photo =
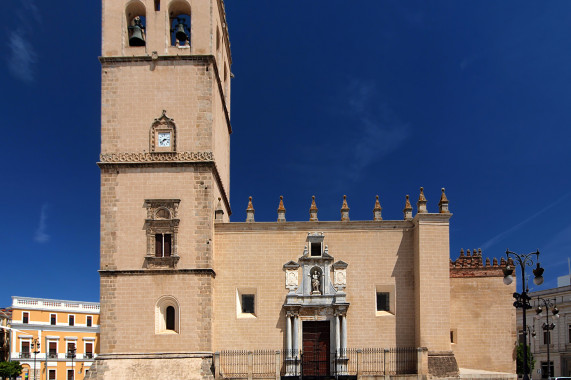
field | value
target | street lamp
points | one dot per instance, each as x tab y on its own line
36	351
547	327
71	354
522	299
531	333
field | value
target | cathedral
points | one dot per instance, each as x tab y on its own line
187	294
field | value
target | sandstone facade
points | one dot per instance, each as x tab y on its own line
179	282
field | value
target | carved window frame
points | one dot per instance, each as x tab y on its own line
163	124
162	218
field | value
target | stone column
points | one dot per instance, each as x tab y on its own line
295	346
337	335
288	335
344	334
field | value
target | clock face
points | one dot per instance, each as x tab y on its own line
164	139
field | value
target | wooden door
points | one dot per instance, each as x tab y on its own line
316	348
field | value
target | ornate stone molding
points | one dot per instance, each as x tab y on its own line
156	157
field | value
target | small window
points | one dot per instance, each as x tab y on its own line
248	303
53	319
383	301
167	318
70	374
569	333
217	39
163	245
547	337
89	321
25	317
26	347
52	374
170	318
52	353
70	350
71	320
453	336
315	249
89	350
157	5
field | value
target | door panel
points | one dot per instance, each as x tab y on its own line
316	348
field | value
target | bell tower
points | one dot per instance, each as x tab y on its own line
165	170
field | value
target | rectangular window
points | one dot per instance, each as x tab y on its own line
70	374
547	337
569	333
157	5
544	373
248	303
383	301
89	321
25	317
315	249
70	350
26	347
53	319
162	245
52	374
71	320
89	350
52	350
453	338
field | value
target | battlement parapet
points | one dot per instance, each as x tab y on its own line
472	264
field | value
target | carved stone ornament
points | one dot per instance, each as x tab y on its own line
291	276
339	275
163	125
156	157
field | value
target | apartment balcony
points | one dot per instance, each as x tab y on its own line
25	355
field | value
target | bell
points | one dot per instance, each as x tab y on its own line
180	33
137	38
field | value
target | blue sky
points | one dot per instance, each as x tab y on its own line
329	98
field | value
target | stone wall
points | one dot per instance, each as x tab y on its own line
482	315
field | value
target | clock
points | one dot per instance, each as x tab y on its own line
164	139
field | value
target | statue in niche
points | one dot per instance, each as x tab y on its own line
315	282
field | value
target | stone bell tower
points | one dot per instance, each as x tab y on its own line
165	149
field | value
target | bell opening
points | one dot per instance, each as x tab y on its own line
180	30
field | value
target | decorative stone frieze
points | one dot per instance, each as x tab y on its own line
128	157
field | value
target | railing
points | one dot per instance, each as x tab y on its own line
266	364
52	355
234	364
88	355
25	355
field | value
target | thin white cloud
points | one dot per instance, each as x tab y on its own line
377	131
21	55
505	233
41	236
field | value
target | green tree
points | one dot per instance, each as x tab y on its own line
9	370
530	359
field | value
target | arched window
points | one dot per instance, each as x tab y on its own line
167	316
179	14
170	318
135	14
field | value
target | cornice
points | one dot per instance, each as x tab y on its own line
338	226
151	272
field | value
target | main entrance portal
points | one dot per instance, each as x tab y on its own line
316	348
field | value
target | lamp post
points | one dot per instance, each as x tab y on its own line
71	354
522	299
547	327
36	351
